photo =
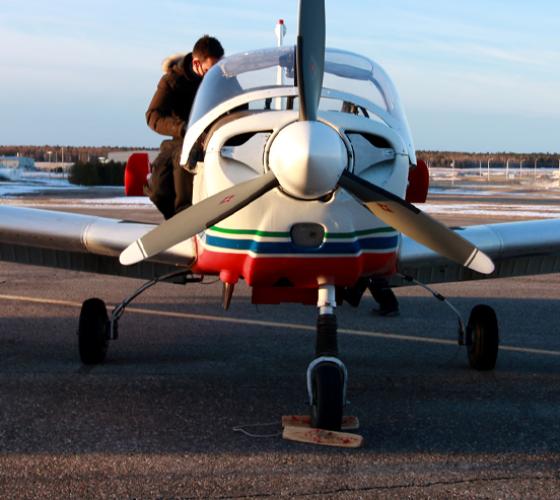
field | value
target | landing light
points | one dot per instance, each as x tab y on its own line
307	235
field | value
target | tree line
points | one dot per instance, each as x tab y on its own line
85	154
71	154
497	160
109	173
87	169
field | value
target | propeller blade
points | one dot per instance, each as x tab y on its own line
416	224
310	56
196	218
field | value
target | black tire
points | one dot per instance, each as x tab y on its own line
93	338
482	338
328	397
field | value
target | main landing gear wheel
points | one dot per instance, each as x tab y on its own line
93	332
482	338
327	386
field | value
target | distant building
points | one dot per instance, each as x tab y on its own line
122	156
17	162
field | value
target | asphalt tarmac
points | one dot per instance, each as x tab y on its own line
157	419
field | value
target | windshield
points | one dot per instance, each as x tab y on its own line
347	76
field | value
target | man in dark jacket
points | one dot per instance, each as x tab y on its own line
168	114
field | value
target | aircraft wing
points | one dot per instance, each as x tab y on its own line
517	249
93	244
81	243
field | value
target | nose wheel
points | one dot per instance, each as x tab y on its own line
327	387
327	375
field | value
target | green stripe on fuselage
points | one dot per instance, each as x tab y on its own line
254	232
283	234
363	232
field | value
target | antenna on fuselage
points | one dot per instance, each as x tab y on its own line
280	32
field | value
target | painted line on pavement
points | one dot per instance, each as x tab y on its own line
274	324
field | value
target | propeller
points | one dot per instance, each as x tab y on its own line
310	57
196	218
416	224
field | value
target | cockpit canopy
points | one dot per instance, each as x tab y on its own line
250	78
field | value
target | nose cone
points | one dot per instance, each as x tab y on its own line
308	158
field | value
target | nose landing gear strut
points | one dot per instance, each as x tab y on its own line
327	375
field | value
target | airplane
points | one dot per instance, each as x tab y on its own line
304	184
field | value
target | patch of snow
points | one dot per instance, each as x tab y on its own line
495	209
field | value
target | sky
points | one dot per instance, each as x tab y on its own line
479	76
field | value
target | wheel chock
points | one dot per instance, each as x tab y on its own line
322	437
349	423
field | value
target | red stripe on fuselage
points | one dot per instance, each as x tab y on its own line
298	271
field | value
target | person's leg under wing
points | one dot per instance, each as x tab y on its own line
162	190
384	296
183	181
353	294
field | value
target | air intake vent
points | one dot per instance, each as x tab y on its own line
370	151
375	140
247	149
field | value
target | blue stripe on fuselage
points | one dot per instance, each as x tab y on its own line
387	243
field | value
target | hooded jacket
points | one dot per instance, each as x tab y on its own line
168	112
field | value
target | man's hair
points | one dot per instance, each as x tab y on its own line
207	46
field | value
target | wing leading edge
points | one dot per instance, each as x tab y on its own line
81	243
517	249
93	244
